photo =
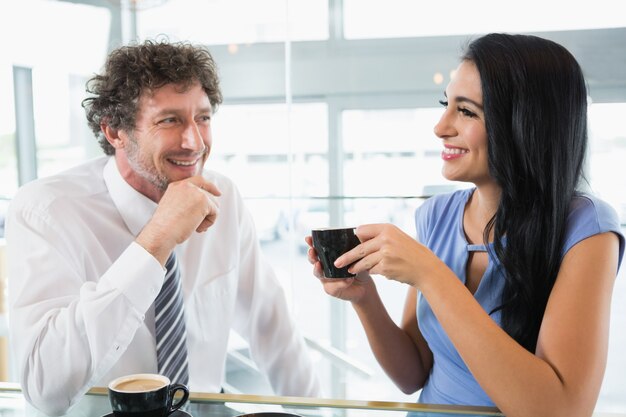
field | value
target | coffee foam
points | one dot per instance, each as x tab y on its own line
139	385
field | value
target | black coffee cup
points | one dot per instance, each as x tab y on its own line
330	244
145	395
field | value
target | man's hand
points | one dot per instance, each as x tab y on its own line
186	206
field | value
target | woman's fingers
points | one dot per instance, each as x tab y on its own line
311	256
366	232
336	286
379	241
358	253
367	263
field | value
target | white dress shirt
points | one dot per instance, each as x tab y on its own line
81	290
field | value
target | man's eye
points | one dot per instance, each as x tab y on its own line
168	120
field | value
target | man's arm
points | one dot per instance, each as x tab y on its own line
69	326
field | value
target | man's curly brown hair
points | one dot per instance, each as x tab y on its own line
132	70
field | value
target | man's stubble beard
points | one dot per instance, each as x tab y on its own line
144	167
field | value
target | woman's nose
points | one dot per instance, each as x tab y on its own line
444	127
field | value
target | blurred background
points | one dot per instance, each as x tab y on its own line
327	120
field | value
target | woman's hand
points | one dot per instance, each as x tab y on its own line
348	289
388	251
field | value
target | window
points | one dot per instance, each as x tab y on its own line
607	153
272	150
8	157
353	143
408	18
61	61
236	21
392	153
607	150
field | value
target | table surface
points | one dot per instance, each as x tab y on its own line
96	403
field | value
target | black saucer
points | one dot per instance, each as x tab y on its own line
177	413
269	414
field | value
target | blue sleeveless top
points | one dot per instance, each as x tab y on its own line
439	223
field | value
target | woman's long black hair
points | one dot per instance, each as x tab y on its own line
535	105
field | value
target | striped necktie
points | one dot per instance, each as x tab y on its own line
171	334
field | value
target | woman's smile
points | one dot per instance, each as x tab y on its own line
453	152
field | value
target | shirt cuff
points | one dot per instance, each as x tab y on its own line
138	275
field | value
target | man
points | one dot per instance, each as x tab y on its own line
88	247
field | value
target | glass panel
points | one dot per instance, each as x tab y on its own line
45	39
398	211
276	154
218	405
272	150
8	157
405	18
607	140
61	61
63	138
236	21
241	409
392	153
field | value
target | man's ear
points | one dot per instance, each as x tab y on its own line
114	136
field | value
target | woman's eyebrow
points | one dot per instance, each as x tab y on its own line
462	99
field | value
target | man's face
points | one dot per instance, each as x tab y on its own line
171	140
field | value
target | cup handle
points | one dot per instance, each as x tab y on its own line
175	406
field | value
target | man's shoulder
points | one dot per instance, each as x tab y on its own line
225	184
81	181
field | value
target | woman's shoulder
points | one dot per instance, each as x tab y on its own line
446	200
593	211
440	210
590	215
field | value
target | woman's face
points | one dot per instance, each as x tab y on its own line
462	129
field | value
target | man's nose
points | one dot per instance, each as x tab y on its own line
192	139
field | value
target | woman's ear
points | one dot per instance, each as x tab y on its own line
114	136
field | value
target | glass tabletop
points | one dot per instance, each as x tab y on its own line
96	403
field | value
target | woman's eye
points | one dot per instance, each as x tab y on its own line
466	112
444	103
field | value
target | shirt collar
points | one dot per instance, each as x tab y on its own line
135	208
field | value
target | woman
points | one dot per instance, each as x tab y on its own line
510	281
